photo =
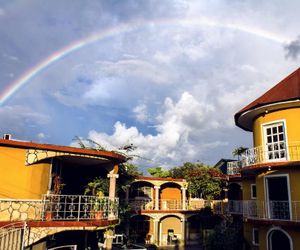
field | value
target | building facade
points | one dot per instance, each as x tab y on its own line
42	197
162	213
270	170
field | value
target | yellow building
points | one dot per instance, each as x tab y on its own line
271	169
42	197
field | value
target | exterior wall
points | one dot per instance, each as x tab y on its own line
170	193
292	118
247	188
18	181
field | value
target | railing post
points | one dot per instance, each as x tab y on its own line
183	198
79	206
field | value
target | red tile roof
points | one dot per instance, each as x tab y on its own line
32	145
286	90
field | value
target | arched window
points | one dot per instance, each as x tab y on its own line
278	239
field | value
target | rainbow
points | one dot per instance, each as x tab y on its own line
25	78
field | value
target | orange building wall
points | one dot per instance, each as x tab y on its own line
18	181
170	193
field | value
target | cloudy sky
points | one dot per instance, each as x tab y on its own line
167	76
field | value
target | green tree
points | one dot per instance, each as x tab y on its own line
239	151
158	172
205	182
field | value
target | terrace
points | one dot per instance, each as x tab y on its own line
274	153
261	210
59	208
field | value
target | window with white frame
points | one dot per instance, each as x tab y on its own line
275	141
253	191
255	236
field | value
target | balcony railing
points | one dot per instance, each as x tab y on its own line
59	208
272	210
261	155
234	167
172	204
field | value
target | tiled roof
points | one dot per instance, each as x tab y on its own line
32	145
286	90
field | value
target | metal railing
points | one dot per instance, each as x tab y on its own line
260	155
79	207
271	210
12	236
173	204
59	207
234	167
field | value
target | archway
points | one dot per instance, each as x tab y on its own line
278	239
170	230
140	227
234	191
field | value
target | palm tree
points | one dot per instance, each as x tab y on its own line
239	151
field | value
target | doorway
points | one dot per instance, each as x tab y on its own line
278	198
278	240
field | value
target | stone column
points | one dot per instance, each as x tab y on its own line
112	185
156	201
112	213
183	190
183	230
156	231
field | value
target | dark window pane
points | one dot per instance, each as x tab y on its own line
268	131
280	129
275	138
281	137
274	130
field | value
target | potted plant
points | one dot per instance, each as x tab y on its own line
97	188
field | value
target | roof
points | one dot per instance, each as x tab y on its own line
92	152
153	178
286	90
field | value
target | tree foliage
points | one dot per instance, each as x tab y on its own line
203	181
238	151
158	172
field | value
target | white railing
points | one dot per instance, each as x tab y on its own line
59	207
234	167
172	204
79	207
260	155
12	236
272	210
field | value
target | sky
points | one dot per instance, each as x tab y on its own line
166	76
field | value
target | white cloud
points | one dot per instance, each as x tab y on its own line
173	144
140	113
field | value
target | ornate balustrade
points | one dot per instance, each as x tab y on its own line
173	204
234	167
261	155
59	207
272	210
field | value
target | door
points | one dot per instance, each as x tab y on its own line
278	197
277	240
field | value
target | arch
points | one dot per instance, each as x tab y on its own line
141	189
139	227
234	191
170	229
278	239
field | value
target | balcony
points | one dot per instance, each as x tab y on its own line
234	167
261	210
273	154
59	208
170	204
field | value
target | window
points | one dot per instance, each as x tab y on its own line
255	236
275	141
253	191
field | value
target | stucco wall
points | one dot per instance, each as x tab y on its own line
18	181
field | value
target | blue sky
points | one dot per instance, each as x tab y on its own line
170	82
